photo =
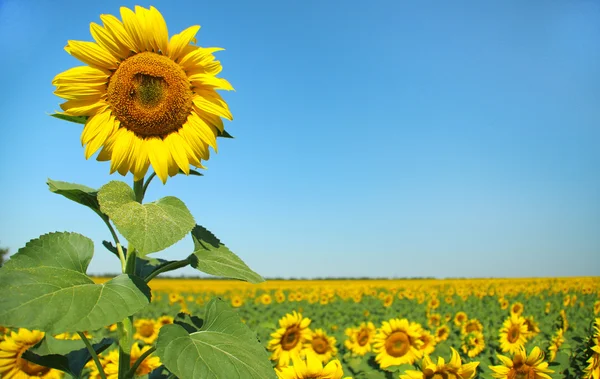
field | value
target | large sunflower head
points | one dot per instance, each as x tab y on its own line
148	99
360	339
473	344
146	330
397	342
453	369
288	340
321	344
310	368
12	365
513	334
522	365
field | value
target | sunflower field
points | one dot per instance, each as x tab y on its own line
511	328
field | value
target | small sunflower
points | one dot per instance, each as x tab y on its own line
532	327
434	303
473	344
472	325
453	369
321	344
555	344
530	366
360	339
460	318
146	330
442	333
311	368
150	100
516	308
12	365
563	320
237	301
434	319
513	334
287	341
397	342
148	365
266	299
429	342
388	300
164	320
503	303
596	307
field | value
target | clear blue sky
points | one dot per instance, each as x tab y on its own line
384	138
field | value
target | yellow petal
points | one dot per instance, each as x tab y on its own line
71	92
108	41
94	125
121	150
134	29
159	30
98	140
92	54
175	143
82	107
205	80
202	129
82	75
211	102
116	28
198	57
159	157
179	41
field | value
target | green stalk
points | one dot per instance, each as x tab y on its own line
125	332
148	183
138	189
139	361
93	354
168	267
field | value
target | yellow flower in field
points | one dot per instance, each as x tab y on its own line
266	299
503	303
547	309
287	341
459	318
555	344
359	339
596	307
311	368
397	342
472	325
563	320
522	365
566	301
454	369
69	336
175	297
434	303
434	319
164	320
513	334
429	342
111	367
321	344
146	330
449	300
150	100
279	297
237	301
442	333
473	344
388	300
12	365
516	309
532	327
592	370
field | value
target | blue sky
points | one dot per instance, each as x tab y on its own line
386	138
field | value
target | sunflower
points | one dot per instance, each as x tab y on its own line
555	344
311	368
532	327
563	320
516	309
459	318
287	341
397	342
265	299
388	300
473	344
321	344
237	301
434	303
442	333
503	303
146	330
359	339
434	319
592	370
148	365
452	369
164	320
429	342
513	334
596	307
522	365
12	365
472	325
150	100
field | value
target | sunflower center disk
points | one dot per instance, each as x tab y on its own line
513	335
147	330
290	339
320	345
397	344
150	95
363	337
30	368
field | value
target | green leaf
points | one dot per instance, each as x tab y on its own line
214	258
225	134
75	119
192	172
69	356
223	348
149	227
76	192
44	287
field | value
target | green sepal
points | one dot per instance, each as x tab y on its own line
75	119
214	258
149	227
192	173
223	347
69	356
76	192
49	274
225	134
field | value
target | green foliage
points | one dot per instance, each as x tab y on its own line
45	287
149	227
75	119
76	192
223	347
3	253
214	258
69	356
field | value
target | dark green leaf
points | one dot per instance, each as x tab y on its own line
76	192
44	286
223	348
214	258
75	119
225	134
69	356
149	227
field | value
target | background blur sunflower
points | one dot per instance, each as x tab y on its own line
360	339
397	342
513	334
321	344
288	340
12	365
150	100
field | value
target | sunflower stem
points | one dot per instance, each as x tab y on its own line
125	332
138	189
117	243
139	361
93	354
148	183
168	267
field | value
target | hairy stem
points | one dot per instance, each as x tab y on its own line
93	354
168	267
148	182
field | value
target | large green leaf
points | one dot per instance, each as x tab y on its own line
44	287
69	356
224	347
149	227
76	192
214	258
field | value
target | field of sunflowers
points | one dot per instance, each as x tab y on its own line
472	328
